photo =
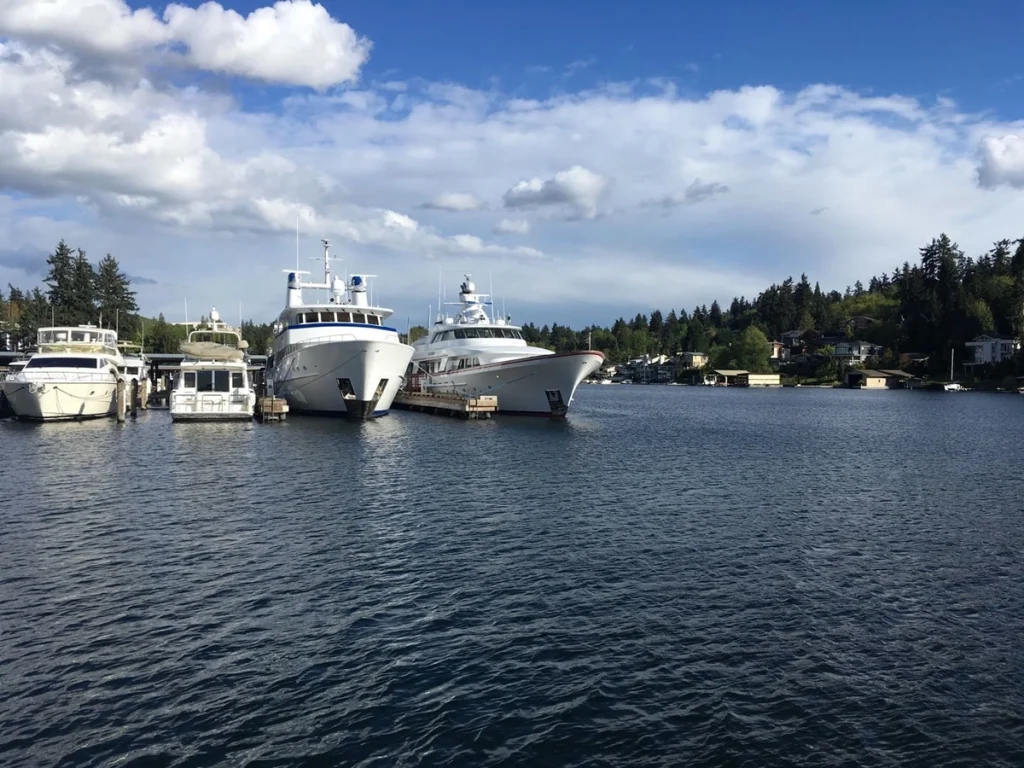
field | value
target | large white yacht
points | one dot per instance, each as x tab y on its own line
213	384
471	354
336	357
72	376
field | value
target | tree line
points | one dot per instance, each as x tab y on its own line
930	307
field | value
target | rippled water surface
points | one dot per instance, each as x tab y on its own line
674	576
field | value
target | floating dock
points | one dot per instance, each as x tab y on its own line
271	409
447	404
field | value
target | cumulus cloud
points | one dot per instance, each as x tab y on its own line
455	201
695	193
512	227
1001	161
580	189
175	179
294	42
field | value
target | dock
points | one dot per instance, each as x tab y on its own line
447	404
271	409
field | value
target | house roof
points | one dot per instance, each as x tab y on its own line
730	373
986	337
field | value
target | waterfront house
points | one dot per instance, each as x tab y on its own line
793	338
759	380
876	379
779	351
859	323
855	352
986	349
691	360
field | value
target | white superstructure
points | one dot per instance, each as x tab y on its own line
213	384
336	357
72	376
471	354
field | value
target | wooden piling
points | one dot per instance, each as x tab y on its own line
134	399
144	395
122	405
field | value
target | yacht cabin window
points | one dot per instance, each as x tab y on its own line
213	381
64	362
190	380
326	317
344	317
236	380
358	317
373	319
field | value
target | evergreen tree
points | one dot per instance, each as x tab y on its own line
82	304
115	300
60	282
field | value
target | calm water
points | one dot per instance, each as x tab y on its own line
674	576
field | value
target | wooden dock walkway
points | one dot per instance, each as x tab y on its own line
447	404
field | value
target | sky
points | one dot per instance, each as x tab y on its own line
587	160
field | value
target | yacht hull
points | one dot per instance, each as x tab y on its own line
533	386
61	401
354	378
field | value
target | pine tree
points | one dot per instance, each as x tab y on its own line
115	300
60	282
82	305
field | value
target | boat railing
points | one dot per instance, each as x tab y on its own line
47	375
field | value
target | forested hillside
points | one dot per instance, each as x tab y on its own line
929	307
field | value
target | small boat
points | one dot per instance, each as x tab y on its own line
213	384
954	387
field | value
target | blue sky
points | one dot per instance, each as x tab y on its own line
962	50
597	159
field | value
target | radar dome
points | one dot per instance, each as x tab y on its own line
214	315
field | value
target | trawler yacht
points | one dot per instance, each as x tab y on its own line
72	376
213	384
471	354
336	357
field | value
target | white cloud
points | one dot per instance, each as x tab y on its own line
178	180
455	201
695	193
1001	161
99	26
294	42
576	187
512	227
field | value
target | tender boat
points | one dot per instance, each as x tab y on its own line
336	357
213	384
73	376
471	354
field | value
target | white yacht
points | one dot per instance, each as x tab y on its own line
213	384
471	354
72	376
135	366
336	357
